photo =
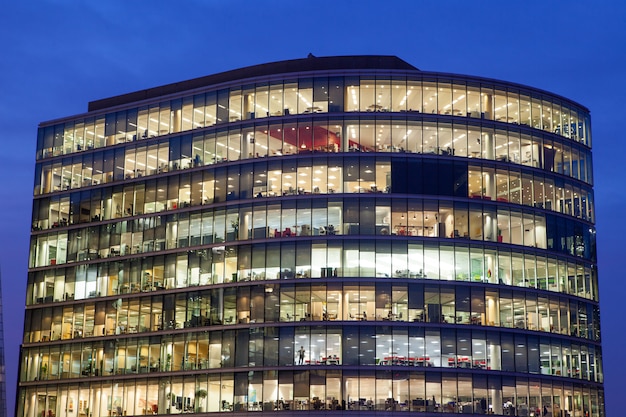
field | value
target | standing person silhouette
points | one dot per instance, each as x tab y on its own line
301	355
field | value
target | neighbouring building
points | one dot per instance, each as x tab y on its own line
3	387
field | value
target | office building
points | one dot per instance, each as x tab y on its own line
345	234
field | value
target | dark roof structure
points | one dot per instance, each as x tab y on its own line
311	63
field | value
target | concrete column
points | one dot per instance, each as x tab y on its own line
488	146
488	106
98	411
163	401
247	146
177	121
490	227
494	355
248	107
244	227
496	400
490	260
492	311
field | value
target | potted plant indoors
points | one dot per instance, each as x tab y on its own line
201	394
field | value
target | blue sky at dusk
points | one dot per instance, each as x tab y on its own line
58	55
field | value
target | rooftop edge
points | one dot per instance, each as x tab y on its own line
311	63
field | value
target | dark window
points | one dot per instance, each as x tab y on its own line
446	178
414	172
399	172
460	179
430	179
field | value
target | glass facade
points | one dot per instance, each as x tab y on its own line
317	239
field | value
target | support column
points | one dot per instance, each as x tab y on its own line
496	400
490	226
487	112
488	147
